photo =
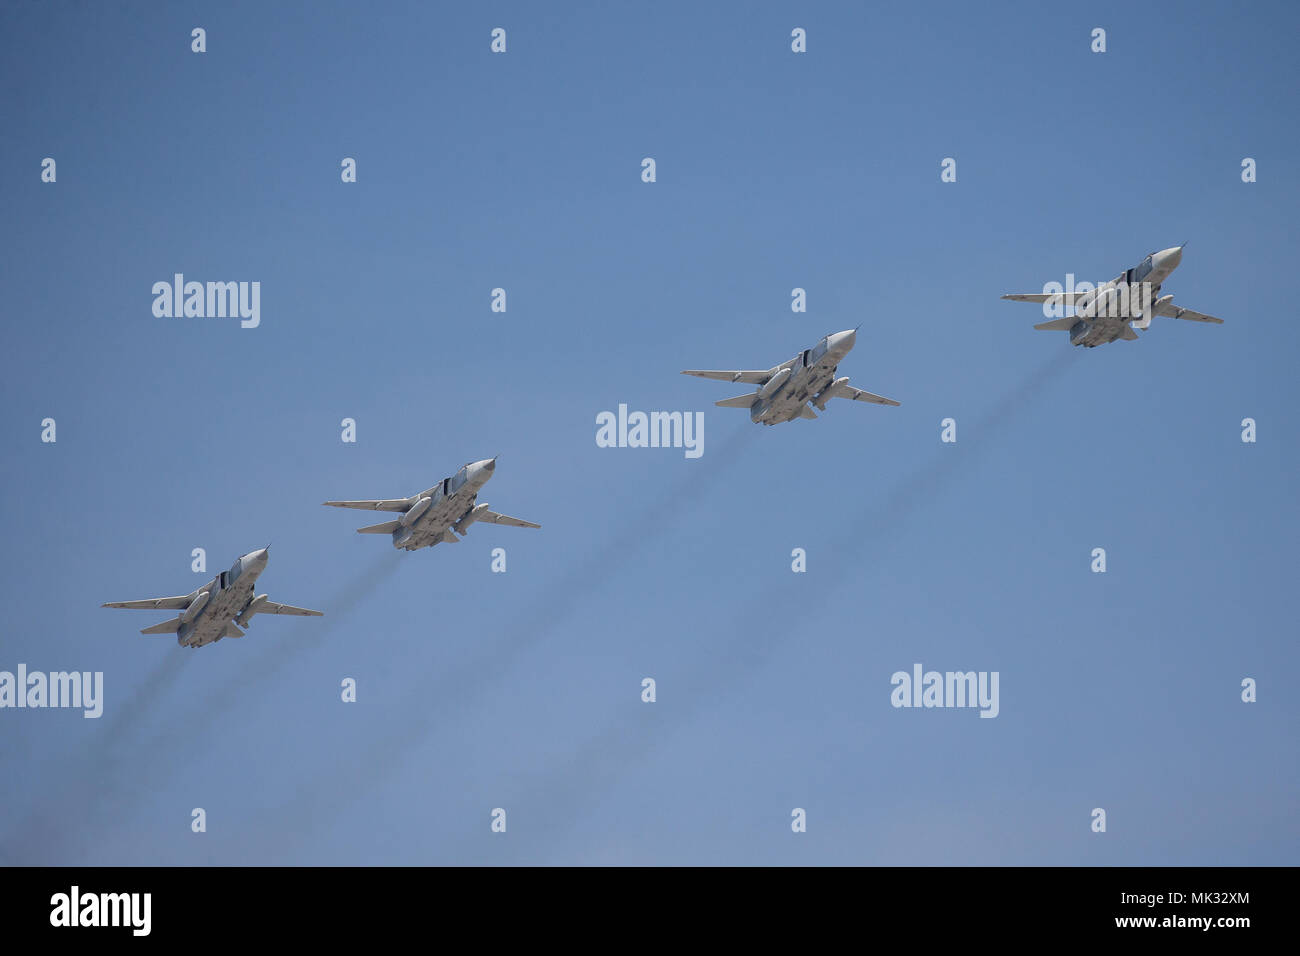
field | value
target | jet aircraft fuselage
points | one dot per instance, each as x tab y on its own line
1115	309
784	391
438	514
219	608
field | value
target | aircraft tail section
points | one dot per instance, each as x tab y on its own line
166	627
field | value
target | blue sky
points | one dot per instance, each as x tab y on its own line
522	690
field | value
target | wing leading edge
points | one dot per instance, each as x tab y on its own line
155	604
744	376
496	518
270	607
383	504
1175	312
858	395
1058	298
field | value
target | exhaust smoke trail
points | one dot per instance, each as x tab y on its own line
178	738
604	760
128	764
560	599
30	843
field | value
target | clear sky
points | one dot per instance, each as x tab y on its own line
522	690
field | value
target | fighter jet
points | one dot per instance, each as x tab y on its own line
1116	308
784	392
438	514
219	608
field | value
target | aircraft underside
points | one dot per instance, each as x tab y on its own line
1100	332
434	526
210	625
789	402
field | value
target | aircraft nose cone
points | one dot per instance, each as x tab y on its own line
258	559
843	341
1169	258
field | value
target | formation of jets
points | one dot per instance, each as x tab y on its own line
783	393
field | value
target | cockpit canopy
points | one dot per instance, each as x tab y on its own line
458	480
1140	271
815	354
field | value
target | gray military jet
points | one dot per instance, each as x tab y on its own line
1115	308
219	608
784	392
438	514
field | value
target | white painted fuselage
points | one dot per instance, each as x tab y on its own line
811	372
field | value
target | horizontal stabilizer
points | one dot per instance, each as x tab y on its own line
1057	325
807	412
388	527
448	538
740	401
166	627
1128	334
232	631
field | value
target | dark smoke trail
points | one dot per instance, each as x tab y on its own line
126	717
280	650
591	575
309	634
40	834
903	500
603	760
560	599
127	767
